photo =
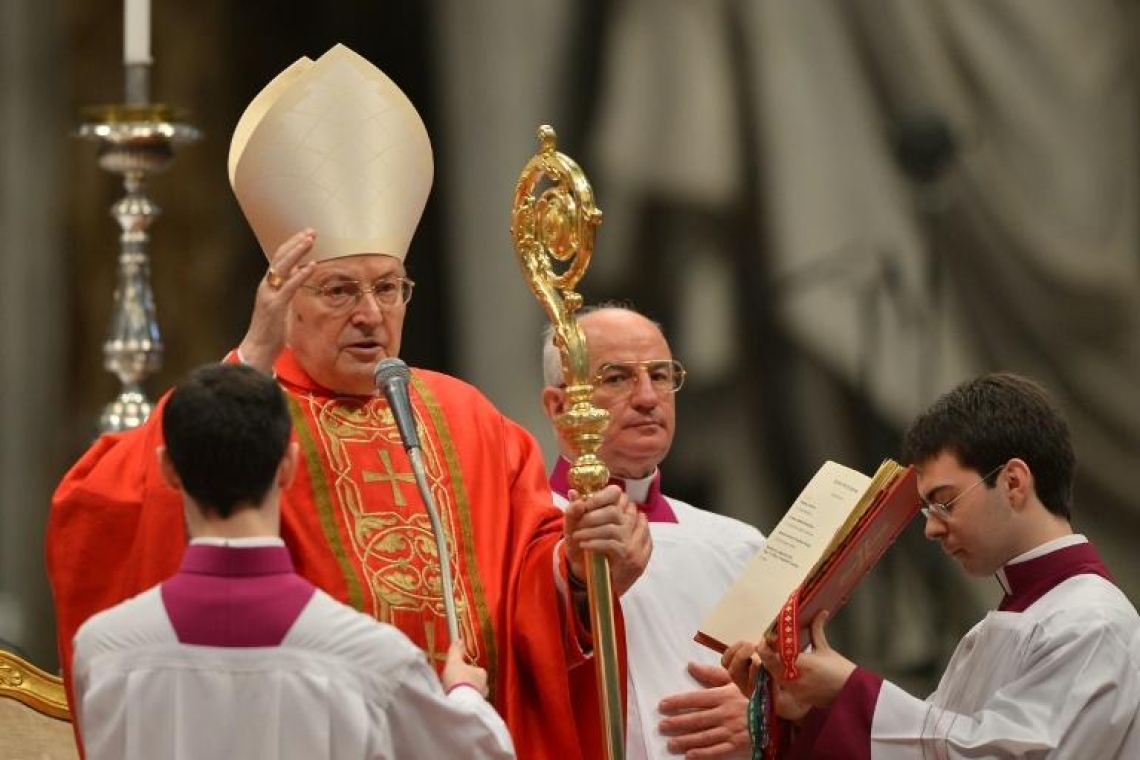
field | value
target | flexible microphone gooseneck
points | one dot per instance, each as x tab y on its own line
392	378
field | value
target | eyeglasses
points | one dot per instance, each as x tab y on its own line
389	292
942	510
615	380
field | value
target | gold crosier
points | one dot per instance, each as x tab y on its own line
559	224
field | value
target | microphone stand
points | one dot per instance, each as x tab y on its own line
416	457
392	377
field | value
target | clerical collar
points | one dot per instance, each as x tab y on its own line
1049	546
1029	576
637	489
644	492
247	559
238	543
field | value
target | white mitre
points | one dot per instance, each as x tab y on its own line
336	146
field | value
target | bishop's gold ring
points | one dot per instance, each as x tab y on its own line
275	280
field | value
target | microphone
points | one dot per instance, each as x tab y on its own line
392	377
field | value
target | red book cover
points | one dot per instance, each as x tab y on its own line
835	579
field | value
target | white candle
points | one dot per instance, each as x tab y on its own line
136	31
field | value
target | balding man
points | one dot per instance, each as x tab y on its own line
680	700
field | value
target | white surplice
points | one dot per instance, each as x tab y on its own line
339	686
1060	680
693	563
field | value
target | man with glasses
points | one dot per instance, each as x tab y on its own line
679	698
1054	672
332	167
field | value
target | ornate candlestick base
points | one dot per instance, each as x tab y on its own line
135	141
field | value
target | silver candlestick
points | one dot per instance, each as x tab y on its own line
135	140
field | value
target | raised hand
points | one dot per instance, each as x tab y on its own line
265	337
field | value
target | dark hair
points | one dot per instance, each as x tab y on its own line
226	429
991	419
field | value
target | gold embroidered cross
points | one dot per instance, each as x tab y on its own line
391	477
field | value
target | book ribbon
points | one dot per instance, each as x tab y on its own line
788	635
764	725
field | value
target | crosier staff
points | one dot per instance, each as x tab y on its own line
558	225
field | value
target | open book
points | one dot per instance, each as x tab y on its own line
812	560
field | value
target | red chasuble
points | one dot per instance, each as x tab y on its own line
355	525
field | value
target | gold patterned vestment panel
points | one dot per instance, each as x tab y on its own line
387	536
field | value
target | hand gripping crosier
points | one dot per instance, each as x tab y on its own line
559	225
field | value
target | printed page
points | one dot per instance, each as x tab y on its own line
790	552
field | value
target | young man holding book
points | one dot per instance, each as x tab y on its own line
680	701
1053	673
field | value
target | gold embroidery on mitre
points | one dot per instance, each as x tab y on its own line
389	532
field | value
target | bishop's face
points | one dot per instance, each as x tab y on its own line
981	531
339	346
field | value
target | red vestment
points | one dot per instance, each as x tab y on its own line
355	525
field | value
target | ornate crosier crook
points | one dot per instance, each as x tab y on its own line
558	225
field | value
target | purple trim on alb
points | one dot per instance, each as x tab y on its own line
842	731
235	597
1032	579
656	508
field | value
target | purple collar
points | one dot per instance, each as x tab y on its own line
1032	579
656	508
225	596
233	562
